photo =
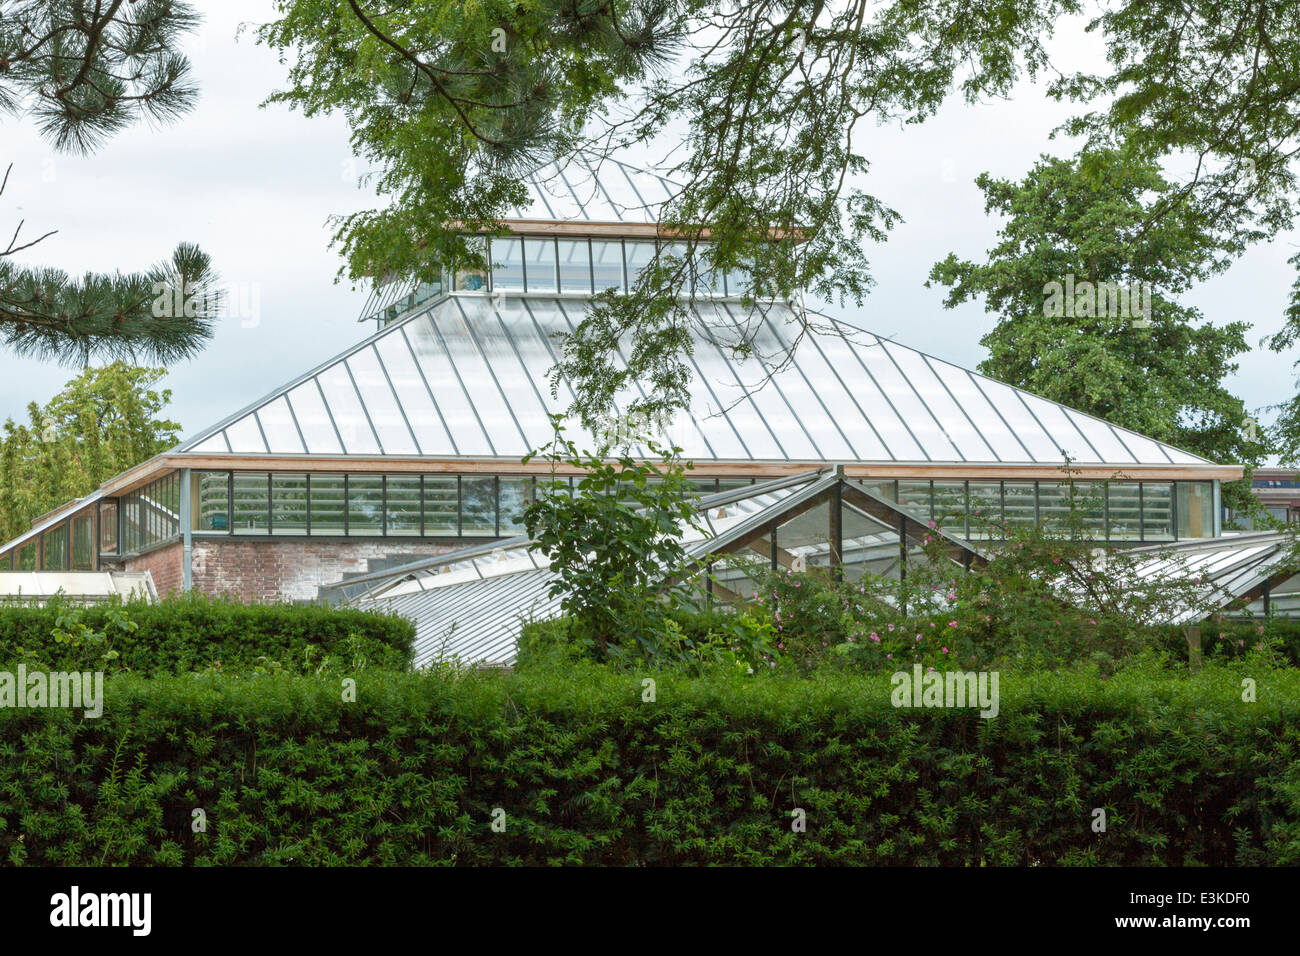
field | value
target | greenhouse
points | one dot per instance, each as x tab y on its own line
410	443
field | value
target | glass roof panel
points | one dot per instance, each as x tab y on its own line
466	432
245	437
377	396
279	428
1006	400
1064	434
309	410
413	393
919	420
975	404
478	375
933	392
841	352
345	408
1103	438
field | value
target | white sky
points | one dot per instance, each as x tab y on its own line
254	187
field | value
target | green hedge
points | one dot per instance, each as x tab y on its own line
586	771
193	633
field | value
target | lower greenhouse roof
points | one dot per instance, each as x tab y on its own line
471	605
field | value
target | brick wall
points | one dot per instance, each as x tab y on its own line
288	570
164	564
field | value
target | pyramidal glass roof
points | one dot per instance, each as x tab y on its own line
591	189
469	377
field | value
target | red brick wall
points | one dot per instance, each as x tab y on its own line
287	570
164	564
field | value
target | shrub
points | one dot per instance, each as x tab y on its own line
191	632
587	771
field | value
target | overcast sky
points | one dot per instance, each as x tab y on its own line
254	188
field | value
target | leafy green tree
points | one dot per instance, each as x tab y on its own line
105	421
614	543
85	71
1078	229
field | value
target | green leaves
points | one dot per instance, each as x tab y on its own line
1087	225
614	542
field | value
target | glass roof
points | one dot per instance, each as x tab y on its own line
468	377
590	189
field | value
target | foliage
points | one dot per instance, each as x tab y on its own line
1161	373
193	633
85	72
689	638
585	770
454	105
105	421
613	542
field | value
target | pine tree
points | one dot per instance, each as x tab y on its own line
84	71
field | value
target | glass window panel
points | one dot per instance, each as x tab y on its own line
729	484
865	444
403	495
1195	509
1020	503
210	494
985	504
413	394
281	432
441	504
55	549
108	527
251	506
25	560
343	403
378	398
365	504
1065	437
327	504
478	508
1125	519
516	495
314	420
638	255
83	542
974	403
540	264
1157	511
739	282
1065	506
289	504
575	265
607	263
885	488
507	264
840	353
806	536
914	498
950	506
471	278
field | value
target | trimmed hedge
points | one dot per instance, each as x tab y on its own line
193	633
586	771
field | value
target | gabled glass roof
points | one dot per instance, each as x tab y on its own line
468	377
